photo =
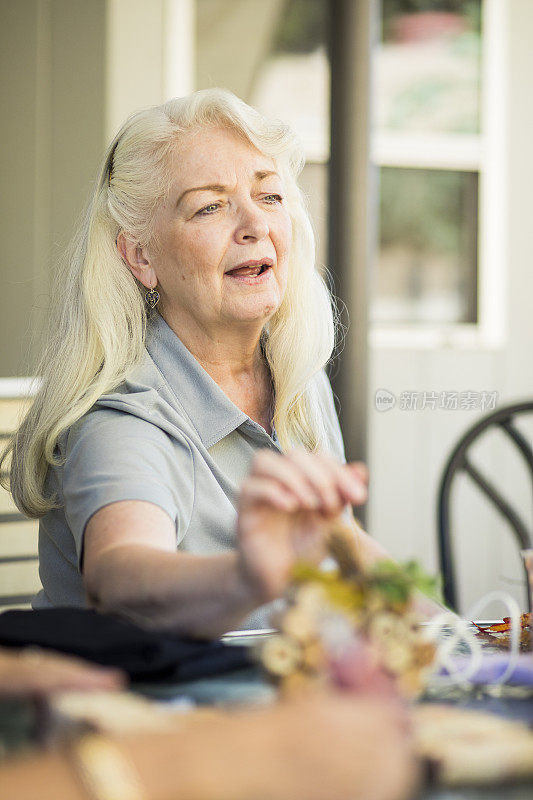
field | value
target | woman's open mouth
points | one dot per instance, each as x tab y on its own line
250	273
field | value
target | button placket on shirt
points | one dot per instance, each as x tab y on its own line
256	432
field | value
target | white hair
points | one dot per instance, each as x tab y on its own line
98	318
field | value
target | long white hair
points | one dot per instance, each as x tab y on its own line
98	317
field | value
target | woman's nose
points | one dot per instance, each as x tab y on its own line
251	225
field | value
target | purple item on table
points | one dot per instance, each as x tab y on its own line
493	666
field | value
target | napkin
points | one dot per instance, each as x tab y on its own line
493	666
101	639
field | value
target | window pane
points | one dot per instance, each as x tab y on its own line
427	262
428	66
273	55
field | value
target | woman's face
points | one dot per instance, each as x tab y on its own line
223	236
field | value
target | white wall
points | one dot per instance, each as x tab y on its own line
52	79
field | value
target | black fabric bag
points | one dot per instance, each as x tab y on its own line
144	655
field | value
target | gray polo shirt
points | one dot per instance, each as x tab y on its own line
168	435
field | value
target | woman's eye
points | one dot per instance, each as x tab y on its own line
210	209
273	198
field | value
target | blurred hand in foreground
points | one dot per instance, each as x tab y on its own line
285	506
39	672
343	746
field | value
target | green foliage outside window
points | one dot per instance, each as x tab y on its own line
422	209
302	27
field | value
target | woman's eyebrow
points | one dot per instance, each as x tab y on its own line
262	174
218	187
213	187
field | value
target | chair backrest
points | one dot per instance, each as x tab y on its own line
19	563
459	462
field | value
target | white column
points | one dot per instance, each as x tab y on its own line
179	47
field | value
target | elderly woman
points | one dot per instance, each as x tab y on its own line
187	350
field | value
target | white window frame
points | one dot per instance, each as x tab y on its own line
483	154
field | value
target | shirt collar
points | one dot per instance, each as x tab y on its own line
209	409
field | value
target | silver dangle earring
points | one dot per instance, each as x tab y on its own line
151	297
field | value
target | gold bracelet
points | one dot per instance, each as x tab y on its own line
105	770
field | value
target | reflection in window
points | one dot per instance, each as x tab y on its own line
427	265
427	144
428	66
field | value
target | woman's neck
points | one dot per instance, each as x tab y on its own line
235	361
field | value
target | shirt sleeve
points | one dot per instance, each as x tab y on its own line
110	456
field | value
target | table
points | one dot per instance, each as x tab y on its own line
19	719
249	686
516	708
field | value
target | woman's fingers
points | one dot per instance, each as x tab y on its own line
265	491
284	507
283	510
321	477
279	469
334	483
353	480
317	481
360	469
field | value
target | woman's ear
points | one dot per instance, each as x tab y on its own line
136	259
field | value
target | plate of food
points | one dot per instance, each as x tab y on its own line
498	633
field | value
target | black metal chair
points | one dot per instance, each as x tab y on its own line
459	461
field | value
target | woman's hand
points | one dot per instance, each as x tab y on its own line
285	506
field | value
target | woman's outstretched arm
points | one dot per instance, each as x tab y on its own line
131	566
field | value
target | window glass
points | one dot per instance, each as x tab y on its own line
428	66
427	263
427	146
